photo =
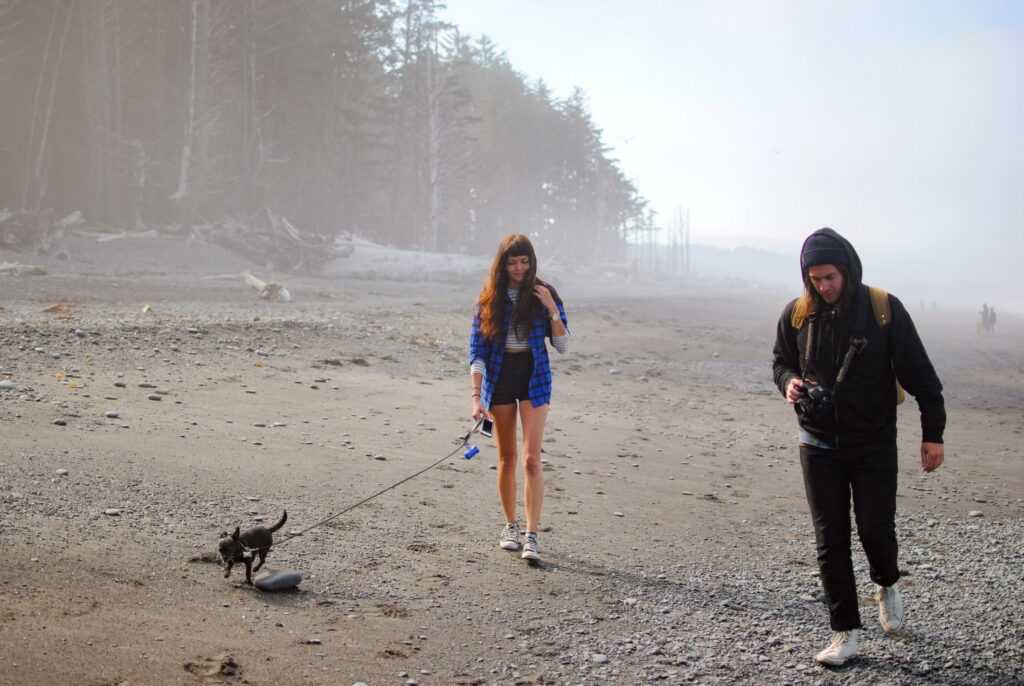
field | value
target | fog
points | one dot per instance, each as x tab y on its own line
605	131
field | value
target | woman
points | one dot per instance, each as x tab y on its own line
509	370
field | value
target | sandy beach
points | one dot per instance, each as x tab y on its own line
154	408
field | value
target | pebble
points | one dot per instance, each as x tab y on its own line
7	385
62	472
111	414
112	512
599	658
975	513
153	396
618	514
60	422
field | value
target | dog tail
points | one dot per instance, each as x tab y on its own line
284	518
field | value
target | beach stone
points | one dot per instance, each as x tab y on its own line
112	512
154	396
60	422
7	385
599	658
62	472
111	414
278	580
972	513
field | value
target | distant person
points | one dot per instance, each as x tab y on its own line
837	360
509	371
992	319
984	317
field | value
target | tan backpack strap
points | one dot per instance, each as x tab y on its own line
799	313
880	306
883	315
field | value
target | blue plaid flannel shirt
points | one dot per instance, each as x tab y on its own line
481	348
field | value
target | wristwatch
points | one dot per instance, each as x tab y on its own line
555	317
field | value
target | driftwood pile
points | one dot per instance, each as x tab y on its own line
274	242
37	232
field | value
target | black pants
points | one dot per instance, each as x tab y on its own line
830	476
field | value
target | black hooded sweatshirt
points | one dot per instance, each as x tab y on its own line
865	404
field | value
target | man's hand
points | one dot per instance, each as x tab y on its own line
795	390
932	455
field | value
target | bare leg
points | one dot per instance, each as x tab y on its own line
533	433
505	436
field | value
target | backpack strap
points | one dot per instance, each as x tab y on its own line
880	305
799	314
883	315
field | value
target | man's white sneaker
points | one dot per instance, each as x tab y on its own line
510	536
531	551
841	649
890	608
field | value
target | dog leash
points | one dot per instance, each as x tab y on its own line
463	441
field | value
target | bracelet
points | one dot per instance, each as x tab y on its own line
475	395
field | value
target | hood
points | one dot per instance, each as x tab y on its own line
856	271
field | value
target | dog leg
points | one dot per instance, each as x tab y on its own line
263	558
227	572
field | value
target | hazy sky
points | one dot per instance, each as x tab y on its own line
897	123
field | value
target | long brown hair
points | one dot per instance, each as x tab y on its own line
492	295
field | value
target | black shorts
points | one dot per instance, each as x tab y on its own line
514	379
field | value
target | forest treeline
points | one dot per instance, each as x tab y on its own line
367	117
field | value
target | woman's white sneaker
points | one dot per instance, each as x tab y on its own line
842	647
510	536
890	608
531	551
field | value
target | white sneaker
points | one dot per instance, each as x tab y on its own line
890	608
510	536
531	551
841	649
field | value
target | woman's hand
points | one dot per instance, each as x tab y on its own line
478	408
543	294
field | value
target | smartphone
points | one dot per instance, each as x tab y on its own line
487	428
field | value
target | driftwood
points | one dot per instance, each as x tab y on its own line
38	232
271	240
16	269
268	290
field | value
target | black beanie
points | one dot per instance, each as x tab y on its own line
821	248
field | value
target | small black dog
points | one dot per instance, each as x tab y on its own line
239	547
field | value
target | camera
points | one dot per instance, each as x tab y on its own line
816	403
487	428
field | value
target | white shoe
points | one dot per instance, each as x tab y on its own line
510	536
841	649
890	608
531	551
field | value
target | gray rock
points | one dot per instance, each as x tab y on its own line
278	580
7	385
60	422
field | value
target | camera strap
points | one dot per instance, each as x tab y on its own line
858	340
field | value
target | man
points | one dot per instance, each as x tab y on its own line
838	360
